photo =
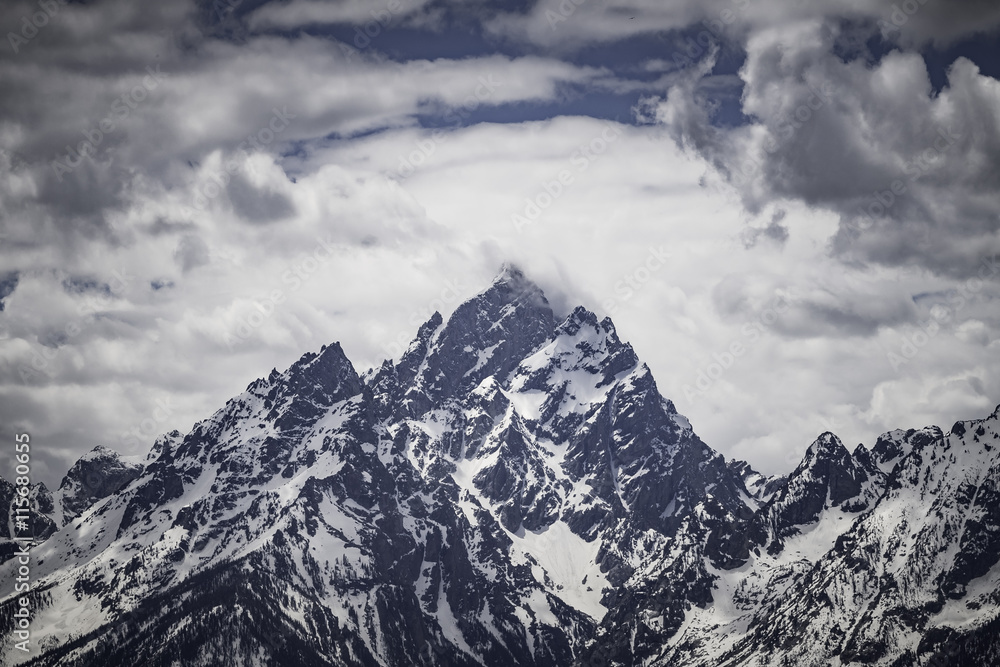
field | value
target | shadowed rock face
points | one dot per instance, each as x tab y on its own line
97	475
828	477
486	336
38	518
514	490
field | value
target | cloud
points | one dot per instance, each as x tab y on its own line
907	170
310	12
819	360
273	193
774	232
249	297
558	25
91	131
191	253
8	282
257	206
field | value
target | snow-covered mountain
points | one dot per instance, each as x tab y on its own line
97	475
514	490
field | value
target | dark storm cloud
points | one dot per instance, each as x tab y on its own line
8	282
774	232
77	203
191	252
827	308
842	114
910	173
110	104
847	319
161	226
257	205
79	285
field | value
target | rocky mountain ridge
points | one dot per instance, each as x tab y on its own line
514	490
96	475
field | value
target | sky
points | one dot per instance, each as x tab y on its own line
788	208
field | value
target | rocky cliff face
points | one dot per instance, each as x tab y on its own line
97	475
514	490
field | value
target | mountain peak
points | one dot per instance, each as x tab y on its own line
514	288
328	370
297	396
486	335
592	338
829	462
578	318
97	474
827	445
509	272
513	490
828	477
100	452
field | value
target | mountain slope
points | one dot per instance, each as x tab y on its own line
96	475
513	490
904	582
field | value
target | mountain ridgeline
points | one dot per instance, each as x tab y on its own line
513	491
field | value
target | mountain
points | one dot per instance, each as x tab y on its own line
513	490
98	474
39	523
